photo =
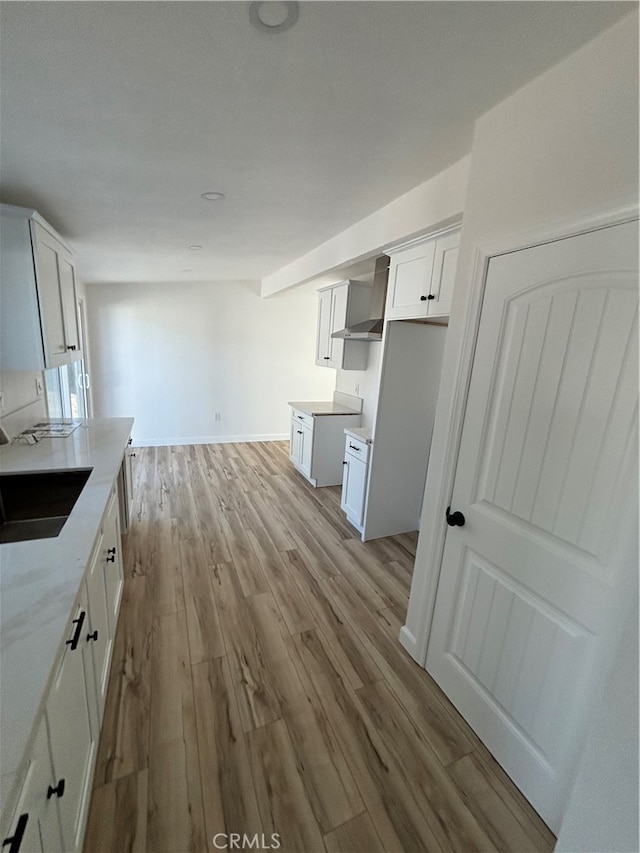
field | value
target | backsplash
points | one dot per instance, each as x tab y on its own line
21	404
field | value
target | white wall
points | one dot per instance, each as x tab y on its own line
367	382
171	355
437	202
603	810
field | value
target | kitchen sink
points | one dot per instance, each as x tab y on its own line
36	505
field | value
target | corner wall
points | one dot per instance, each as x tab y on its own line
172	355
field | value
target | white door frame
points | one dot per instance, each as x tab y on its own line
432	527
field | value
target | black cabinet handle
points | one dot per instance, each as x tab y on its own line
455	519
299	431
16	839
58	791
327	358
130	440
111	559
353	447
132	454
431	296
72	347
93	636
111	550
73	642
423	299
345	462
300	417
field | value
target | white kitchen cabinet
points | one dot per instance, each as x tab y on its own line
125	489
111	561
98	638
301	444
317	444
39	320
70	737
339	306
421	278
35	825
355	468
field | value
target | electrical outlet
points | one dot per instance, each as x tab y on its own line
356	389
217	416
39	387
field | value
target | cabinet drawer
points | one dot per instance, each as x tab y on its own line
304	418
357	448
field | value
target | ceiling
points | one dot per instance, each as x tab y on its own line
115	117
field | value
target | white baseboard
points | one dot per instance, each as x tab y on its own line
408	642
206	439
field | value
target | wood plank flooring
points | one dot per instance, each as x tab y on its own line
258	685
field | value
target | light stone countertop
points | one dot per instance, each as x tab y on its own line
363	433
40	579
325	408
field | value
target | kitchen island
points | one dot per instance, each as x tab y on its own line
42	585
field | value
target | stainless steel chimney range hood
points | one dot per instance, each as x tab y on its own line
371	330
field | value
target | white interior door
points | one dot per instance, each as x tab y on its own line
533	586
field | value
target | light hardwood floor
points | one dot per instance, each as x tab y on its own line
258	686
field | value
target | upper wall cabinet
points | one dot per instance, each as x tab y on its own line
340	306
38	316
421	278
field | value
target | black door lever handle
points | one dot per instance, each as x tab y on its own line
455	519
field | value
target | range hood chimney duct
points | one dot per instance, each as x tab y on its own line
371	330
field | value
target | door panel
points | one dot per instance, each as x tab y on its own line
532	587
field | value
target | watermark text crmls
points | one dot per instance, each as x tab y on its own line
242	841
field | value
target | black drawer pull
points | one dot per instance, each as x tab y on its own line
353	447
300	417
73	642
299	431
327	358
345	462
431	296
16	840
111	550
93	636
58	791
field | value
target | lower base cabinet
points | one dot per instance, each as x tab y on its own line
70	737
52	806
35	825
355	468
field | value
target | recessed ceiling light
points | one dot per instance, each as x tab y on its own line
272	16
195	247
212	196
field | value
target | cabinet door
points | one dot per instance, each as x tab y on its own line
69	304
72	748
295	443
36	823
444	271
306	450
111	564
98	635
354	486
323	340
409	282
339	303
49	295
